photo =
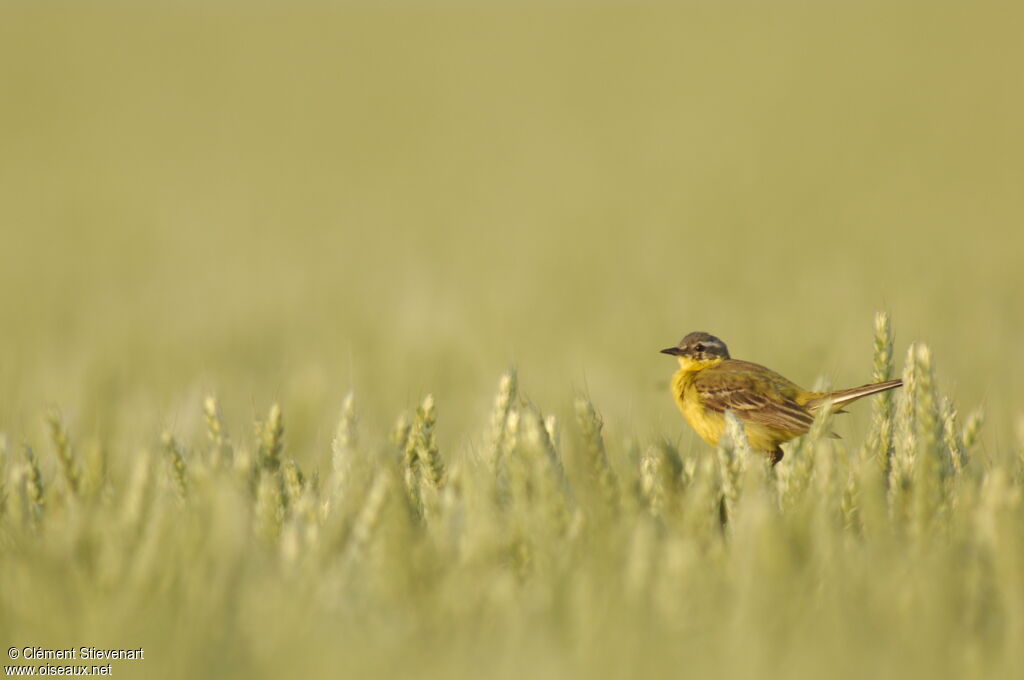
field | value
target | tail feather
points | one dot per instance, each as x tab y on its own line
846	396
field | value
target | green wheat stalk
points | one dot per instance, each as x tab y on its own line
270	435
294	483
905	441
503	403
932	463
433	471
399	434
591	425
972	429
346	439
176	459
62	447
732	453
35	491
220	442
952	436
882	406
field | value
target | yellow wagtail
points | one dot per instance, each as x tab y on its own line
772	409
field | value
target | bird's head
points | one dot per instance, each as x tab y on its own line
698	351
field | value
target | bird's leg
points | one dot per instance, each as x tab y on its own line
775	456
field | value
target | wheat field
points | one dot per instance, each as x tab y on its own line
330	335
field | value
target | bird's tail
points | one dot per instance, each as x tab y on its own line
846	396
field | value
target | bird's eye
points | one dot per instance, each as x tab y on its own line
699	347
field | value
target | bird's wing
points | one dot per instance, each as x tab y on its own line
752	397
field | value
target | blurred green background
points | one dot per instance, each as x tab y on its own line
283	201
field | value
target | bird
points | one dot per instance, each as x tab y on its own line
772	409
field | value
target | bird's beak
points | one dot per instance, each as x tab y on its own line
674	351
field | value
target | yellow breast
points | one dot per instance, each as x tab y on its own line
708	424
